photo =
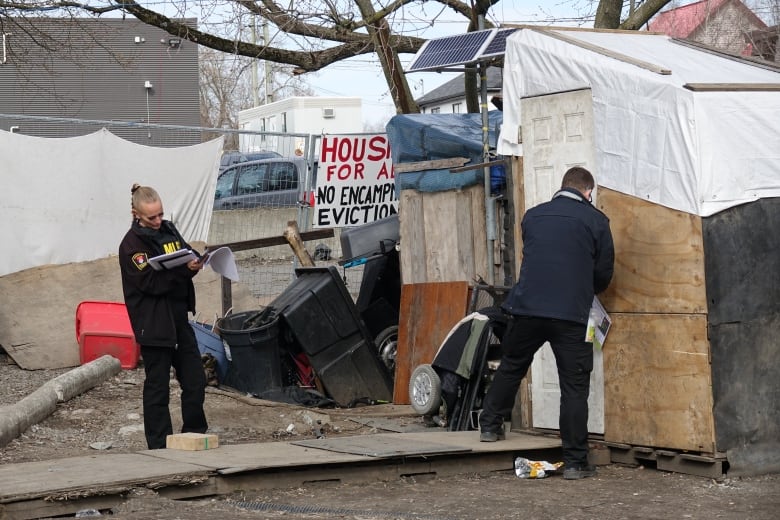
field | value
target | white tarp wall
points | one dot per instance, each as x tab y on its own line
699	152
68	200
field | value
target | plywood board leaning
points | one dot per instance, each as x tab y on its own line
428	312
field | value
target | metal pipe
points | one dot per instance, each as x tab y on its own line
490	209
5	52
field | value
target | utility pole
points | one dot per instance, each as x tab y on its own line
255	96
269	96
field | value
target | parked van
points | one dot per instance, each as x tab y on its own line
274	183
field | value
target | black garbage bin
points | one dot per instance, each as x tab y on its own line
255	356
318	313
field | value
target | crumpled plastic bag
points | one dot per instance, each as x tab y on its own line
525	468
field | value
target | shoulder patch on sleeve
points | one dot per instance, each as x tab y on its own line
140	261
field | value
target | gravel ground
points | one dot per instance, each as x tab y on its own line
107	419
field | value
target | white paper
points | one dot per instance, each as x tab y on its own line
223	262
599	323
171	260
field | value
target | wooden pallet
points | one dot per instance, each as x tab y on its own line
711	465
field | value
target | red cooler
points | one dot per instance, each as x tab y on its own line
104	328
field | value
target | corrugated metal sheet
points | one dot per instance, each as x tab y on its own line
97	70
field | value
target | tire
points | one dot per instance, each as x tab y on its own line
387	347
425	390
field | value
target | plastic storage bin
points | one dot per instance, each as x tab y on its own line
104	328
255	364
209	342
370	239
324	323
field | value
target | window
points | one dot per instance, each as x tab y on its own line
252	179
283	177
225	184
456	108
435	110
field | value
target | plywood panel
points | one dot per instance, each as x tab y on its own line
658	385
659	257
443	235
428	312
440	220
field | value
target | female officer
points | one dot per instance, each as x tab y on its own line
157	303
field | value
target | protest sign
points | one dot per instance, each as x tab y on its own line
355	181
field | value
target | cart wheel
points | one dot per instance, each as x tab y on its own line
425	390
387	346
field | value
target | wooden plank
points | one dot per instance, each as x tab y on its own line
428	311
733	87
57	478
477	166
412	233
443	235
657	382
436	164
659	257
260	243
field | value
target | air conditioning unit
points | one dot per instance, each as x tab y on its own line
328	113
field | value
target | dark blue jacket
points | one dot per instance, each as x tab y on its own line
568	257
152	297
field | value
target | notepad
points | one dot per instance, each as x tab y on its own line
171	260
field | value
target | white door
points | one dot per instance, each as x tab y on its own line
558	134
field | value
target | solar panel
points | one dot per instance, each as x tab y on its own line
497	45
444	52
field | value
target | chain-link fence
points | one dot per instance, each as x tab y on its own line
265	271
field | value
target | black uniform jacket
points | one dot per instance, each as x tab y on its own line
568	256
152	296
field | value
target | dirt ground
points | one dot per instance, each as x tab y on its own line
107	419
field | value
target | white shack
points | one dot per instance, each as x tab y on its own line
685	146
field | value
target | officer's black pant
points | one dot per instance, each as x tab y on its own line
574	359
185	359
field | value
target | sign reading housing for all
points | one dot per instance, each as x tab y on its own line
355	181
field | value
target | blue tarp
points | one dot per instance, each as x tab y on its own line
427	137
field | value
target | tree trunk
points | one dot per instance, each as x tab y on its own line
391	65
608	14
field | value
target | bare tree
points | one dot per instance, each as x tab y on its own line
227	87
310	35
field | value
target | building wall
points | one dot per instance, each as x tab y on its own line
99	70
305	115
726	29
449	106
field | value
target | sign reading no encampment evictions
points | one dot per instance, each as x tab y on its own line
355	181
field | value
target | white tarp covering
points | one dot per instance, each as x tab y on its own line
699	152
68	200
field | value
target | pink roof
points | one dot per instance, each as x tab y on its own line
683	21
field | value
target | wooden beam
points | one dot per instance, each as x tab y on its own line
733	87
478	166
437	164
293	237
280	240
